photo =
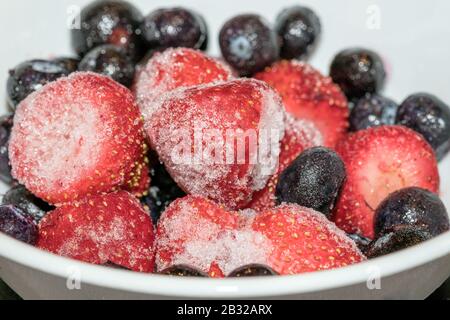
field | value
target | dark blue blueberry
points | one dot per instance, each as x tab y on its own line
313	180
396	241
23	199
30	76
358	72
183	271
361	242
411	207
17	224
113	22
430	117
110	61
252	270
174	27
372	111
163	191
6	123
248	44
299	28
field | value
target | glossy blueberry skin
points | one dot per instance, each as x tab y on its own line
175	27
183	271
361	242
358	72
71	64
30	76
298	28
23	199
372	111
17	224
411	207
248	44
252	270
110	61
162	192
6	123
429	116
313	180
396	241
113	22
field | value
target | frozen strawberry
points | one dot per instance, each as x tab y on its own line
101	229
220	141
197	232
289	239
79	135
309	95
299	136
304	240
380	161
172	69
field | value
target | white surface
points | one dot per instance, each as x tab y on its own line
413	39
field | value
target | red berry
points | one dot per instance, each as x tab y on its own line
79	135
299	136
289	239
304	240
101	229
220	141
174	68
309	95
380	161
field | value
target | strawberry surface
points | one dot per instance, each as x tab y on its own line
101	229
220	141
79	135
310	96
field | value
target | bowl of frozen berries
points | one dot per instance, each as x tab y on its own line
197	151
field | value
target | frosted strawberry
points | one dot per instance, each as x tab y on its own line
299	136
289	239
77	136
101	229
174	68
309	95
220	141
380	161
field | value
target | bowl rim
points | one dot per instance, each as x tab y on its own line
159	285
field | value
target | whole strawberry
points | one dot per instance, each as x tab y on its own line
101	229
77	136
220	141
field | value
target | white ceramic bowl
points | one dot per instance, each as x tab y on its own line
411	37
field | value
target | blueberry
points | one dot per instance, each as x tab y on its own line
109	22
396	241
248	44
361	242
23	199
358	72
6	123
163	191
110	61
183	271
71	64
17	224
299	28
313	180
430	117
411	207
371	111
252	270
174	27
30	76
